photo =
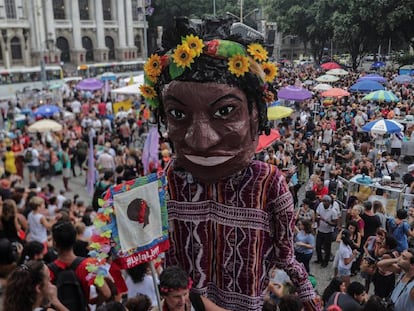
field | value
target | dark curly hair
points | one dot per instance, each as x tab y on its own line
211	69
20	294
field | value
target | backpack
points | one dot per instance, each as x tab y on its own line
28	156
70	292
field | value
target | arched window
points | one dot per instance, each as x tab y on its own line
59	9
10	9
106	8
83	9
63	45
88	46
137	42
109	43
16	49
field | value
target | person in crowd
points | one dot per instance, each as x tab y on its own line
9	159
9	223
352	300
31	158
371	221
305	212
346	255
400	229
327	219
403	294
28	288
175	289
139	303
356	212
304	242
38	223
140	281
374	303
337	284
216	158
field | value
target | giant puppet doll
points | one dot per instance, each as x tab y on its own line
231	218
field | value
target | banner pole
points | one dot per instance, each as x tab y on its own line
155	278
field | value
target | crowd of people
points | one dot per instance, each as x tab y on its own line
321	146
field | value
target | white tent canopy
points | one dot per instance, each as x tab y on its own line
132	89
136	79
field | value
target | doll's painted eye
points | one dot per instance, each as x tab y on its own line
224	111
177	114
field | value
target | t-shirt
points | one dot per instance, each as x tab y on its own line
344	251
329	215
346	302
372	223
307	238
37	231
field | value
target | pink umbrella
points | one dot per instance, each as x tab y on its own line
90	84
330	65
335	92
295	93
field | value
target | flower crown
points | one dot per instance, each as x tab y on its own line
239	61
166	290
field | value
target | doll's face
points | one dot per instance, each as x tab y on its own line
213	133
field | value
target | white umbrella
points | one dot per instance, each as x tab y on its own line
337	72
327	78
45	126
383	126
322	87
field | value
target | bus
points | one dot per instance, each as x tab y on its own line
16	80
118	68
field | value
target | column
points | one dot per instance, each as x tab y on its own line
121	23
101	51
129	25
77	35
50	23
2	9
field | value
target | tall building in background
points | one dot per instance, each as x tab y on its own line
70	31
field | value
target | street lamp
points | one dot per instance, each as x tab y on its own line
241	18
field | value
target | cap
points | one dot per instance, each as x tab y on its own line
327	198
410	168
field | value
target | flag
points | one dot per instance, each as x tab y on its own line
150	151
91	167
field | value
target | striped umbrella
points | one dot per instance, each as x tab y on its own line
383	126
382	96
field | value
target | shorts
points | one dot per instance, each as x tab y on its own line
344	272
33	169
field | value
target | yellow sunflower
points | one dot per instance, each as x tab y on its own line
270	71
148	91
238	65
257	51
195	44
183	56
153	66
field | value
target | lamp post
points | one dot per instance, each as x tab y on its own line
241	16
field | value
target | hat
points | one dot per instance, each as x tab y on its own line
410	168
327	198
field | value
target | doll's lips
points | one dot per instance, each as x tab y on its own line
208	161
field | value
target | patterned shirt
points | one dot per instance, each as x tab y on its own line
228	234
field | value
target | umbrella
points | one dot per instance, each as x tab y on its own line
378	65
403	79
383	126
308	82
266	140
322	87
327	78
366	86
108	76
278	112
335	92
382	96
275	103
55	86
330	65
292	92
337	72
373	77
45	126
90	84
46	111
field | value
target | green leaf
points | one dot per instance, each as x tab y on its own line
175	71
229	48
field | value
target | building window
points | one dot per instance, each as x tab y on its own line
63	45
59	9
138	43
16	49
10	9
109	43
134	7
83	9
88	46
106	7
1	52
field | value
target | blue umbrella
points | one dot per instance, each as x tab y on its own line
366	86
378	65
373	77
46	111
403	79
383	126
275	103
108	76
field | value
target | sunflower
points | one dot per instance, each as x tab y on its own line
147	91
257	51
238	65
195	44
153	66
183	56
270	71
